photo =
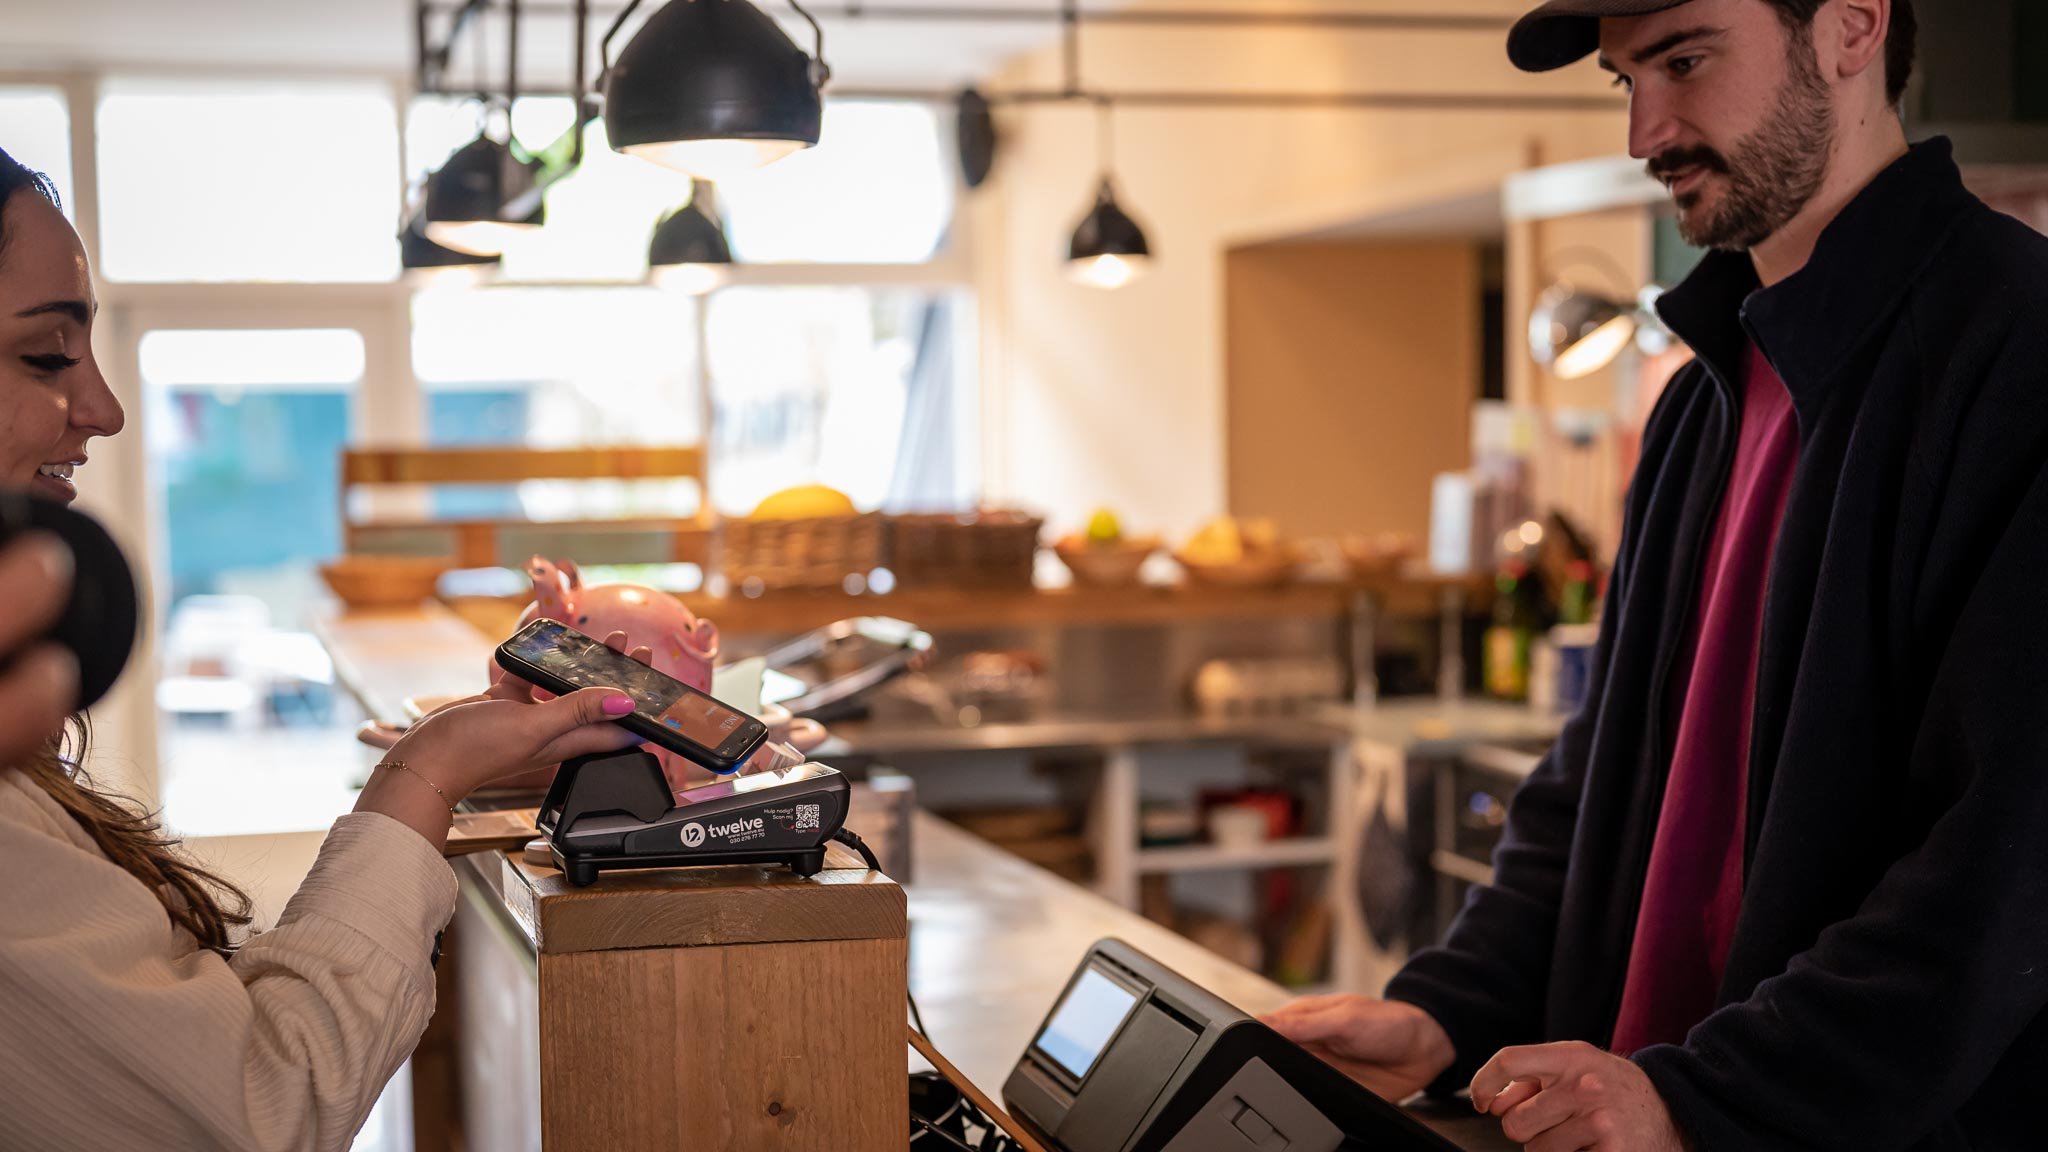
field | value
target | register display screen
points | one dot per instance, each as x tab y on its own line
582	660
1084	1021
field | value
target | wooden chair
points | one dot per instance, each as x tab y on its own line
476	541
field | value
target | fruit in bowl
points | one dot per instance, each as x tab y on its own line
1245	553
1103	556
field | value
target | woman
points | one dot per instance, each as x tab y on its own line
129	1015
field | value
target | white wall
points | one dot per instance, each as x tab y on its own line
1116	398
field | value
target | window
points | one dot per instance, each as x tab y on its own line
248	182
35	129
243	430
877	189
857	388
560	367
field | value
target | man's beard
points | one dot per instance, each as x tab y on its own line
1773	173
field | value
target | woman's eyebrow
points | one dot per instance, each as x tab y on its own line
77	310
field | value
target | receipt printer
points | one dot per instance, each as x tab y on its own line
1135	1057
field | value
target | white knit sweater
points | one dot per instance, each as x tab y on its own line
117	1031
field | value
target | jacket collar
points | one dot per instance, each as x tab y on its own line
1810	324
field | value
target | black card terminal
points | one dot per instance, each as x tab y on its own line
1134	1057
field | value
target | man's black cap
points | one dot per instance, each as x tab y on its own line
1563	32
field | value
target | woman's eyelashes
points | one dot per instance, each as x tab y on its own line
52	363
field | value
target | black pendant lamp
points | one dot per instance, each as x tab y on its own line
713	88
483	199
1108	249
691	234
416	251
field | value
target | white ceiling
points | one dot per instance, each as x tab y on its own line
296	36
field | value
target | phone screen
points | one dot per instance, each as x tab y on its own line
586	662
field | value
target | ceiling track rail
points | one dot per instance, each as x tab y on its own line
1067	16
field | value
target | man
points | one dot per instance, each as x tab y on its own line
1784	882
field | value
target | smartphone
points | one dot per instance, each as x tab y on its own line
666	710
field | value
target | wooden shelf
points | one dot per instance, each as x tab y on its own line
951	609
1211	858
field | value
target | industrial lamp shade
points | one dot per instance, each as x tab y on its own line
712	88
1575	333
1108	249
690	234
467	201
416	251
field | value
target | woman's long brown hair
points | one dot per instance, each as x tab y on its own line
197	900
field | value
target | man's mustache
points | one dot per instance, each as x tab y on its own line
1669	163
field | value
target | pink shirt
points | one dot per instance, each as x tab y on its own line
1693	890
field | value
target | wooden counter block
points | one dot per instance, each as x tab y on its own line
735	1008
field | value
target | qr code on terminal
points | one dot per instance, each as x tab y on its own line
806	817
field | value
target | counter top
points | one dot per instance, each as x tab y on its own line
992	938
382	657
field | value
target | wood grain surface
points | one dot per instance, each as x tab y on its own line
791	1047
693	907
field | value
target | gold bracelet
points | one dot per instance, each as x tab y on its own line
402	767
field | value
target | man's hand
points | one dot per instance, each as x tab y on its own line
1572	1096
1394	1049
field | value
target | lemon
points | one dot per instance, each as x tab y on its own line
806	502
1103	528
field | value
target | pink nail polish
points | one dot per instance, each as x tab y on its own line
617	705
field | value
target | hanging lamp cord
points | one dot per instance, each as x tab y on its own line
1105	143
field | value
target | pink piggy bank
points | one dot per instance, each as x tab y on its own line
685	645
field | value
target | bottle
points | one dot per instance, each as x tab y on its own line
1575	603
1508	641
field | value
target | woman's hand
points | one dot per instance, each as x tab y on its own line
465	744
38	680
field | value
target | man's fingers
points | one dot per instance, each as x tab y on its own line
1577	1134
41	689
1510	1097
35	581
1311	1022
1539	1062
1526	1113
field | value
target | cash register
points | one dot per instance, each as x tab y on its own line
1134	1057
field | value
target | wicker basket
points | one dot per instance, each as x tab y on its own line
993	549
814	555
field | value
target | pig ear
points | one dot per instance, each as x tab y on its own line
706	636
574	574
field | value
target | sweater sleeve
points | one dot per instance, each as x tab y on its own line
1485	983
1880	1031
120	1034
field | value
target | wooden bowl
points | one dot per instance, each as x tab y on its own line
1105	565
385	581
1255	570
1377	555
